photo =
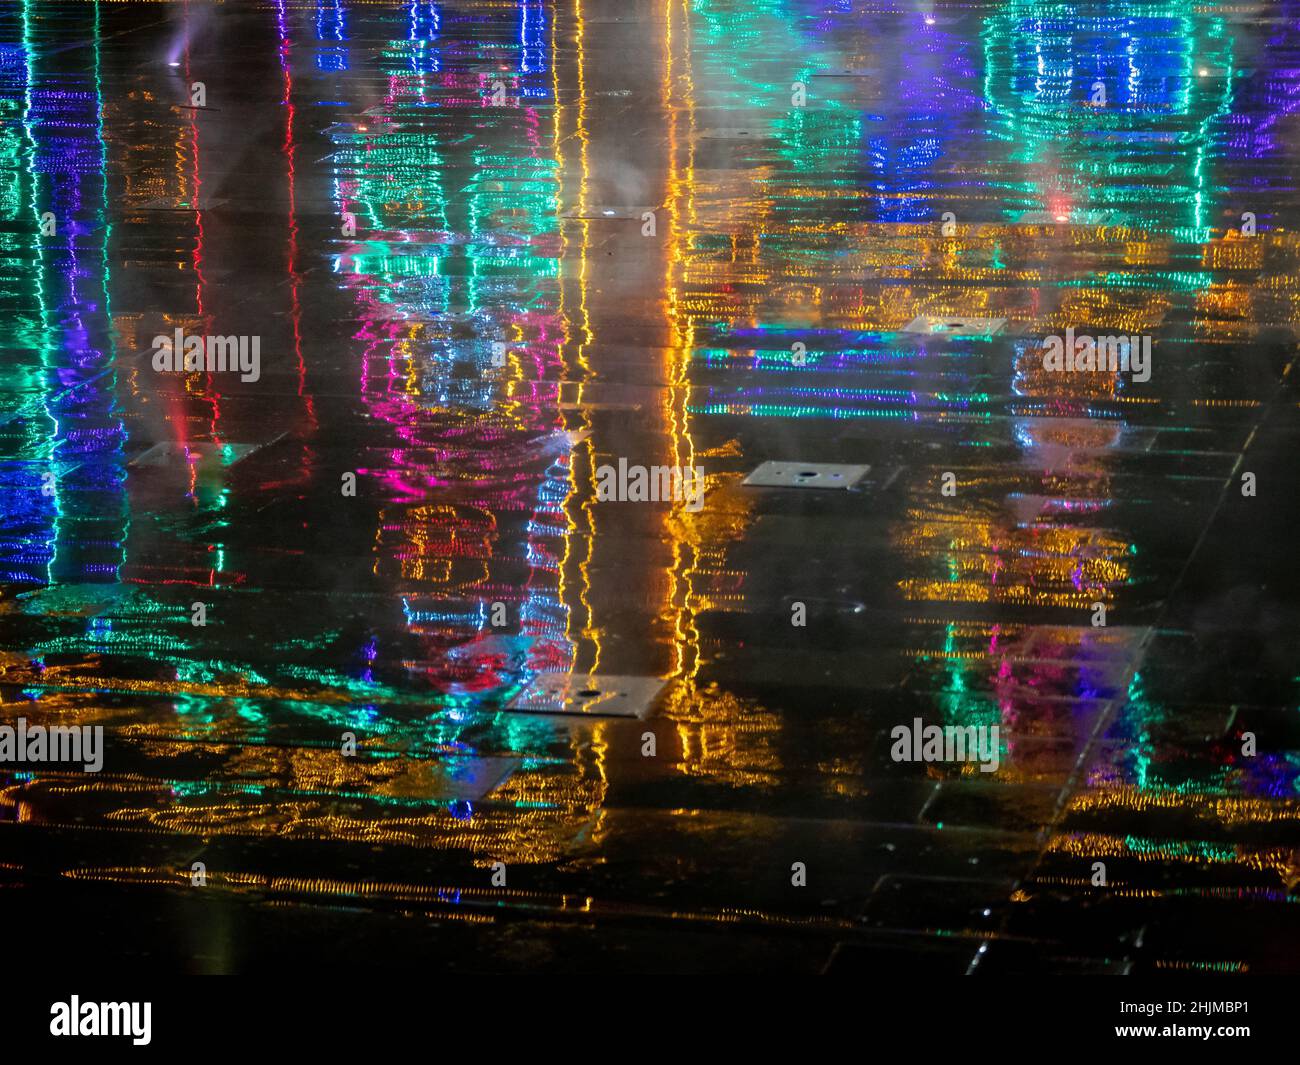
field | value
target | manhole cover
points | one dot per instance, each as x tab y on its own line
204	454
587	695
954	326
164	204
831	475
1066	217
731	133
607	211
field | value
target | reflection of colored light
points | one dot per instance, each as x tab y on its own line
427	256
83	517
1270	94
331	25
1041	63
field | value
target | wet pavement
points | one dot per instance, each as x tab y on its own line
385	674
